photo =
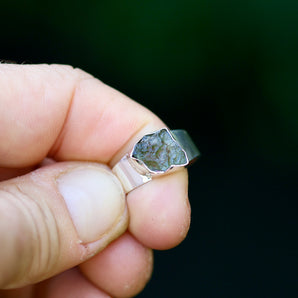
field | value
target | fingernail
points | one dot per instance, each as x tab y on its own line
94	198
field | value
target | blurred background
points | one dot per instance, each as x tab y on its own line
227	72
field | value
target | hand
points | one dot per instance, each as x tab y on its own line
64	221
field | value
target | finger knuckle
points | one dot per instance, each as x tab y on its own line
36	239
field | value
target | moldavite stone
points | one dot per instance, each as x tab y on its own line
158	151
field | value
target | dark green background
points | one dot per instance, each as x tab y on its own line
227	71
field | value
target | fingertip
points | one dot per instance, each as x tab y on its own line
160	211
68	284
122	269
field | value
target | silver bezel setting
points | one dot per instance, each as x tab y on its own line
133	172
141	165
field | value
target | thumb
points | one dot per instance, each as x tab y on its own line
55	218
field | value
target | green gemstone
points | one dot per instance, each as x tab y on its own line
159	151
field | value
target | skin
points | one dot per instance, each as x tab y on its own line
81	119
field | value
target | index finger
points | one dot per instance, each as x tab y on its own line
64	113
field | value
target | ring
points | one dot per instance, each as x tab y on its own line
155	154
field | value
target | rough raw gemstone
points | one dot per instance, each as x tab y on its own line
158	151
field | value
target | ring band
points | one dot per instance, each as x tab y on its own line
153	155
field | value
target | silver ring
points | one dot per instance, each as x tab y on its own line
155	154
